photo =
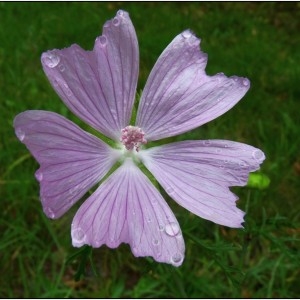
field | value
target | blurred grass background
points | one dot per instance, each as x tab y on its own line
260	41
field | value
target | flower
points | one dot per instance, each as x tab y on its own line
99	87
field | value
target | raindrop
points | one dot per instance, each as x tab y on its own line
245	82
78	235
116	21
172	229
20	134
50	59
49	212
206	142
61	67
103	40
258	155
97	243
39	175
170	190
67	89
155	242
242	164
186	34
73	190
149	220
120	13
161	227
176	259
154	201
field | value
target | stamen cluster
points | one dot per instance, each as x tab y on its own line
132	137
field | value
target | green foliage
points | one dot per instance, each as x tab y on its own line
256	40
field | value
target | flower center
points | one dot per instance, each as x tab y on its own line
132	137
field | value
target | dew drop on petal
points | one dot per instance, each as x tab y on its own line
186	34
155	242
170	190
172	229
245	82
61	67
20	134
161	227
49	212
258	155
38	175
50	59
116	21
176	259
206	142
120	13
78	235
103	40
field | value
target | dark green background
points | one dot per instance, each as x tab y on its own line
256	40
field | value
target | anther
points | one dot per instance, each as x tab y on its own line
132	137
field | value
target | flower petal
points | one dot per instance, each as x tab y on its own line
99	86
179	96
127	208
71	160
197	174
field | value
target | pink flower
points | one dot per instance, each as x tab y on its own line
99	87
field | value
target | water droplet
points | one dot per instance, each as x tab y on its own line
49	212
242	164
73	190
154	201
51	59
161	227
172	229
176	259
67	90
97	243
78	235
61	67
221	166
20	134
170	190
226	146
258	155
245	82
39	175
120	13
186	34
155	242
149	220
218	150
206	142
103	40
116	21
226	161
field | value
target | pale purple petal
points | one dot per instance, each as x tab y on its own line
99	86
127	208
179	96
71	160
197	174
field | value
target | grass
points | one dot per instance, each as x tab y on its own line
256	40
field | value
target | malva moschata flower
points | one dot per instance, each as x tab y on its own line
99	87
